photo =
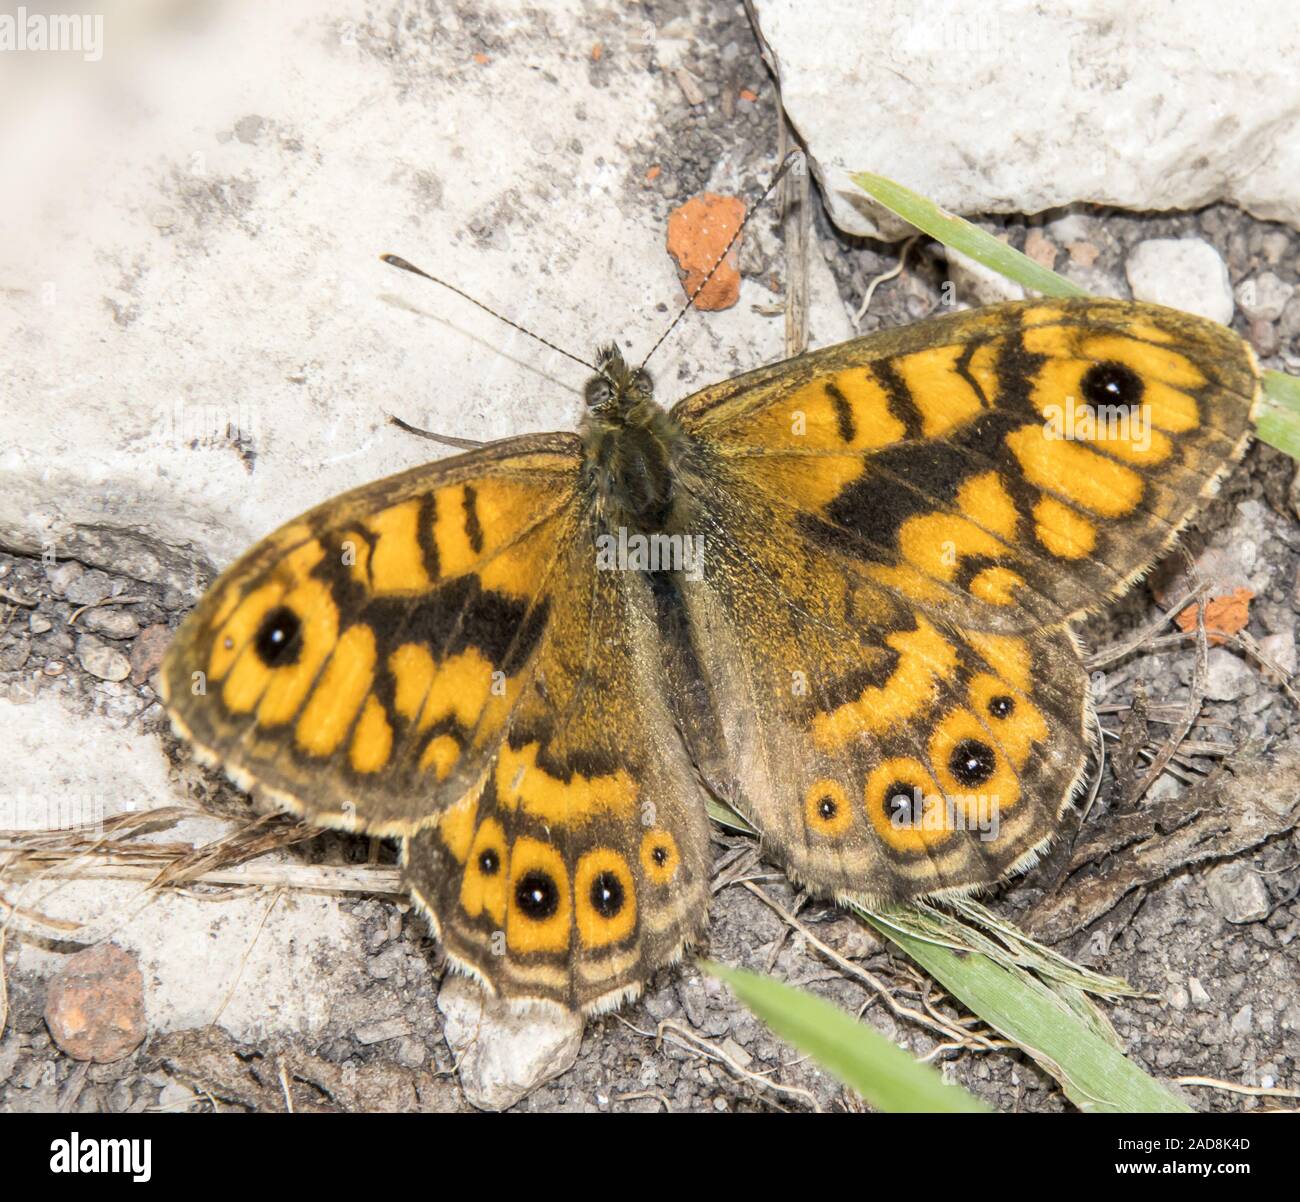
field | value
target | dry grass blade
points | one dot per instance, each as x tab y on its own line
271	832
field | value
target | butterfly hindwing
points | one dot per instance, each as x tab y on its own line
581	864
899	530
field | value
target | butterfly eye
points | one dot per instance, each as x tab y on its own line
598	392
642	382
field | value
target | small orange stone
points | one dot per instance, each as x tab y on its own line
1040	248
653	174
482	59
698	231
596	51
748	94
94	1006
1224	615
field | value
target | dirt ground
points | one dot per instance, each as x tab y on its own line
1215	944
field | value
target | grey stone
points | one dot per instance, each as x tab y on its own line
89	588
61	575
1264	296
112	621
1237	893
39	624
99	659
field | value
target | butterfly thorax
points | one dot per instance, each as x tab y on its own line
630	444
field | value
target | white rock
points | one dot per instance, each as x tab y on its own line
504	1053
1021	106
978	284
1264	296
1228	677
1184	273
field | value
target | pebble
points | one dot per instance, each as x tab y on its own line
176	1098
1288	326
1237	894
89	588
1228	677
112	621
1040	248
94	1006
1196	991
39	624
1263	337
99	659
1185	273
62	575
1263	297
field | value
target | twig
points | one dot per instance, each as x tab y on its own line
693	1042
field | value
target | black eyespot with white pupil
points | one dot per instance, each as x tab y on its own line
903	802
536	895
1112	384
278	642
1002	706
489	862
972	762
827	808
607	894
659	855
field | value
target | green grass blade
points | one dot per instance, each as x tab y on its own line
885	1075
1094	1074
961	235
1278	420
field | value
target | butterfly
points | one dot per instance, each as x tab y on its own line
836	593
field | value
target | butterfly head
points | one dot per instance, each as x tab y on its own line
618	388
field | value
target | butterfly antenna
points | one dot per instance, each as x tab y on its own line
398	261
789	162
